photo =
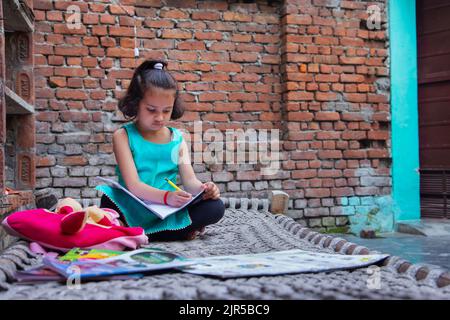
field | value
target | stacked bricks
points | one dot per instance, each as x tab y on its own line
308	68
335	80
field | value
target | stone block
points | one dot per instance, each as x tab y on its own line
279	201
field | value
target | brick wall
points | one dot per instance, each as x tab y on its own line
309	68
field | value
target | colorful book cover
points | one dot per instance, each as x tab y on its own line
90	254
136	261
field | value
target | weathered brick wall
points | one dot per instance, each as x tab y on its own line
336	102
309	68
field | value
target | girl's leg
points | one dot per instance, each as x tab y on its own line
203	213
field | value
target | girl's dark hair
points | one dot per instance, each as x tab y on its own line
147	76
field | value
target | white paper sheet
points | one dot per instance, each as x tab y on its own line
161	210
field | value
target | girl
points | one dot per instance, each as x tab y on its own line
147	152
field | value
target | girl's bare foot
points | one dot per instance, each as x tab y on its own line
193	234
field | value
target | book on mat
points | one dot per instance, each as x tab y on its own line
279	262
42	273
136	261
160	210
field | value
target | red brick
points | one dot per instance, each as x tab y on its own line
300	116
326	96
377	98
90	19
327	116
352	78
121	31
377	153
120	52
108	42
74	116
327	135
378	135
355	154
107	19
317	193
342	192
304	174
329	154
212	97
242	96
205	15
300	96
244	57
326	77
121	10
58	81
70	72
209	35
354	135
297	19
90	41
71	51
64	29
70	94
236	16
191	45
355	97
75	161
176	34
352	60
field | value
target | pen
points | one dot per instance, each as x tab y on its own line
173	184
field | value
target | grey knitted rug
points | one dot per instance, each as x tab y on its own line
244	229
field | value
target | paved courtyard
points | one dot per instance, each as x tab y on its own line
414	248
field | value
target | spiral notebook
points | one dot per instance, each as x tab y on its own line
160	210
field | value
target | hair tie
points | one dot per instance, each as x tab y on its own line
158	65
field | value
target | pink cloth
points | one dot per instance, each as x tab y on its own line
43	227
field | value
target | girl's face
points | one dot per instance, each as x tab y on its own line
155	108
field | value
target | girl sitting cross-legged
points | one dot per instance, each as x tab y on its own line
147	151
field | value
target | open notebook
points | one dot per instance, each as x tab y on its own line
160	210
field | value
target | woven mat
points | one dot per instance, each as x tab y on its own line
240	231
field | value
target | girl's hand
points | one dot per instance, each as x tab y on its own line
178	198
211	191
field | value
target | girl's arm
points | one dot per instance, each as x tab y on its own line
130	176
188	179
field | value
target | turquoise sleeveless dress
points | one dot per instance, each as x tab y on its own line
154	162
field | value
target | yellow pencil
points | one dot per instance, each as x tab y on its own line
173	184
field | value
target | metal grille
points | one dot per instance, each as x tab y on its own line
434	193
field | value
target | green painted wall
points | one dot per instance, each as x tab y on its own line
404	109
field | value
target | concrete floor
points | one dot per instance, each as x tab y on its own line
414	248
